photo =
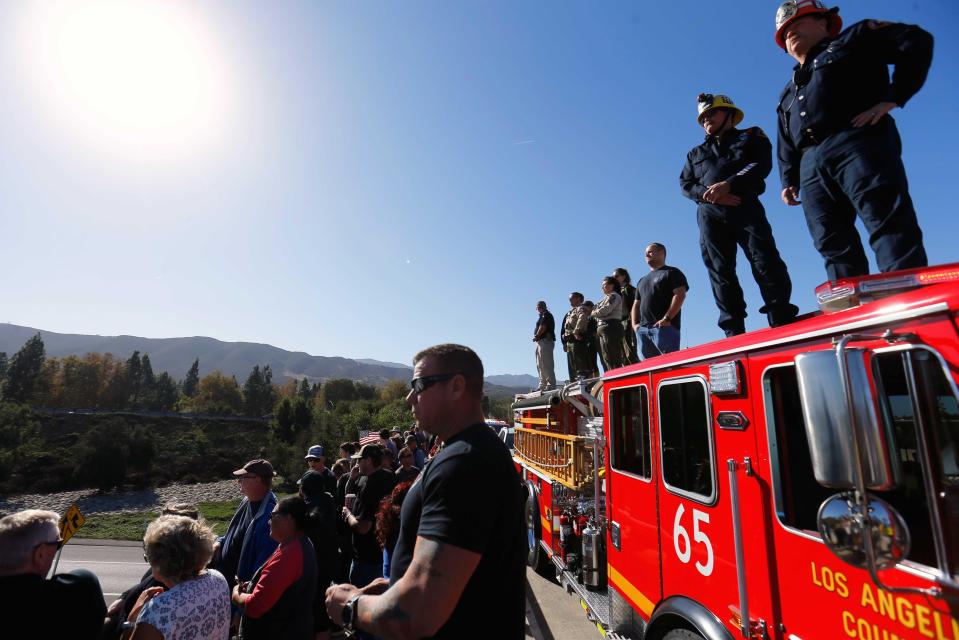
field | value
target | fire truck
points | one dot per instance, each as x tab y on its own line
800	482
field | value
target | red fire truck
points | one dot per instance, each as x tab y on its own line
792	483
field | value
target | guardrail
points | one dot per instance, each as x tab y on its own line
566	459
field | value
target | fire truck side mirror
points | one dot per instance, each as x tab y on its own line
842	528
829	423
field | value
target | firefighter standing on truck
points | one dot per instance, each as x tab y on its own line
839	150
725	176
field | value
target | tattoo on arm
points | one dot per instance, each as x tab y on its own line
392	612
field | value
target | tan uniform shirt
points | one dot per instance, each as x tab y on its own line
610	307
576	323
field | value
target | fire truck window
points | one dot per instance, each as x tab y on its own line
909	498
936	402
629	431
798	495
685	423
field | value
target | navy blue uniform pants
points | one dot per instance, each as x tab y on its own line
860	172
721	230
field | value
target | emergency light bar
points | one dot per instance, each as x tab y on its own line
724	378
836	295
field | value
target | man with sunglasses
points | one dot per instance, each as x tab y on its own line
459	564
67	605
838	146
724	176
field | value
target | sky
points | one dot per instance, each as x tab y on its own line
365	179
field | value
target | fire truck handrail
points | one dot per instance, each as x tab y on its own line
558	436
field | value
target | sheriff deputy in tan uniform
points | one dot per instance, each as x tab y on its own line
575	325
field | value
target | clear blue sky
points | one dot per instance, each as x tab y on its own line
367	178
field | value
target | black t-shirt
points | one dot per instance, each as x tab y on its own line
469	496
629	297
378	485
546	319
69	605
655	293
404	475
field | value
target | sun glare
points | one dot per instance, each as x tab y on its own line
132	77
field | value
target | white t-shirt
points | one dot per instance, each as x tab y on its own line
197	609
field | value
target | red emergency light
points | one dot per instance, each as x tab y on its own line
836	295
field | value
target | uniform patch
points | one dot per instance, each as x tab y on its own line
877	24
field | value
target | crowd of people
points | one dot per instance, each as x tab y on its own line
836	144
385	542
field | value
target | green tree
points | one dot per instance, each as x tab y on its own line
141	449
23	371
148	381
134	371
116	390
165	394
283	421
305	391
259	396
395	390
79	382
302	415
102	455
364	391
218	394
4	362
192	381
338	390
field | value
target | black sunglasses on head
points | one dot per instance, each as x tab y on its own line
421	384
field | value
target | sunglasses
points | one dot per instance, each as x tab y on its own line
421	384
59	542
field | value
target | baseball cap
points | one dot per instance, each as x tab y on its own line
372	451
257	467
316	451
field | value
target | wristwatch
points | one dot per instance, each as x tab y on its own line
349	612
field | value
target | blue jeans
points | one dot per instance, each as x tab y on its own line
654	341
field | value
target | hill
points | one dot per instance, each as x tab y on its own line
175	355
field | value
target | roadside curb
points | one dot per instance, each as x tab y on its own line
93	542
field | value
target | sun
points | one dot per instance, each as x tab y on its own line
130	76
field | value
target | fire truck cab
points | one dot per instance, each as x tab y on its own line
793	483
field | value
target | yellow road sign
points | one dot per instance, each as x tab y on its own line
70	522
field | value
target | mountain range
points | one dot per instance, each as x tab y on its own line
175	355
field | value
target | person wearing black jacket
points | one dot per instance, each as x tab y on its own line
839	149
724	176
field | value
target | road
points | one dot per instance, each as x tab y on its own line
551	614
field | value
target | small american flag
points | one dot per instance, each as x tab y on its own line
369	437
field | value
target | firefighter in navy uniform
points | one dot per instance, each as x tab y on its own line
839	150
725	176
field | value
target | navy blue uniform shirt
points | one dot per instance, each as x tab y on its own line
845	76
743	158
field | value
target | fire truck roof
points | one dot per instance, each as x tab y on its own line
916	301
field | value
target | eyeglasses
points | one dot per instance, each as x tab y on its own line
421	384
58	542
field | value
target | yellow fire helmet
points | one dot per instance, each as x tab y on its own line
708	102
